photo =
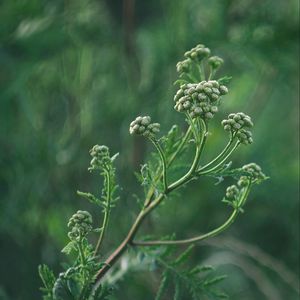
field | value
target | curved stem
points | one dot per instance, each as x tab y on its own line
181	145
190	173
202	237
202	172
106	214
229	144
163	160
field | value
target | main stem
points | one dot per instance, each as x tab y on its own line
106	214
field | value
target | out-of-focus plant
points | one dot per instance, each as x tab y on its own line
198	99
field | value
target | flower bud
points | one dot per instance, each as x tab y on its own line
232	192
215	62
254	171
80	224
143	125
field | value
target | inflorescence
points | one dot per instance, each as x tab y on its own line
80	225
100	157
238	124
200	99
143	126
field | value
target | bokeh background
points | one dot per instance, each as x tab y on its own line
75	73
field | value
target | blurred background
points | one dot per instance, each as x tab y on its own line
75	73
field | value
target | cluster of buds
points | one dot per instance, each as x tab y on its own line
200	99
215	62
238	123
143	126
184	66
80	225
198	53
254	171
232	192
100	157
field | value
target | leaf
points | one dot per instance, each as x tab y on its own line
113	158
90	197
163	285
69	247
61	290
47	277
225	80
215	280
183	256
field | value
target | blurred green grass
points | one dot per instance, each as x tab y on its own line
76	73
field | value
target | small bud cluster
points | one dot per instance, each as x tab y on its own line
100	157
255	171
198	53
184	66
143	126
239	123
200	99
215	62
232	192
80	225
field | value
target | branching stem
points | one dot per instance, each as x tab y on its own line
224	158
147	209
202	237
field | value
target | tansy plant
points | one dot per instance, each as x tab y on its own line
92	274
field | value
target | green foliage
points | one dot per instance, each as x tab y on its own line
190	282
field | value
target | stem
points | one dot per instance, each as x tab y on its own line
128	240
212	233
164	163
81	253
219	156
200	172
184	140
201	71
190	173
181	145
106	214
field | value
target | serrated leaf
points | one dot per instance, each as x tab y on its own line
69	247
163	285
61	290
225	80
90	197
47	277
183	256
214	280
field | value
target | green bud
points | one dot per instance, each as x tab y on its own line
215	62
143	126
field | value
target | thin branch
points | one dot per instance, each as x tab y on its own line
223	152
199	148
203	172
106	214
163	161
178	150
202	237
